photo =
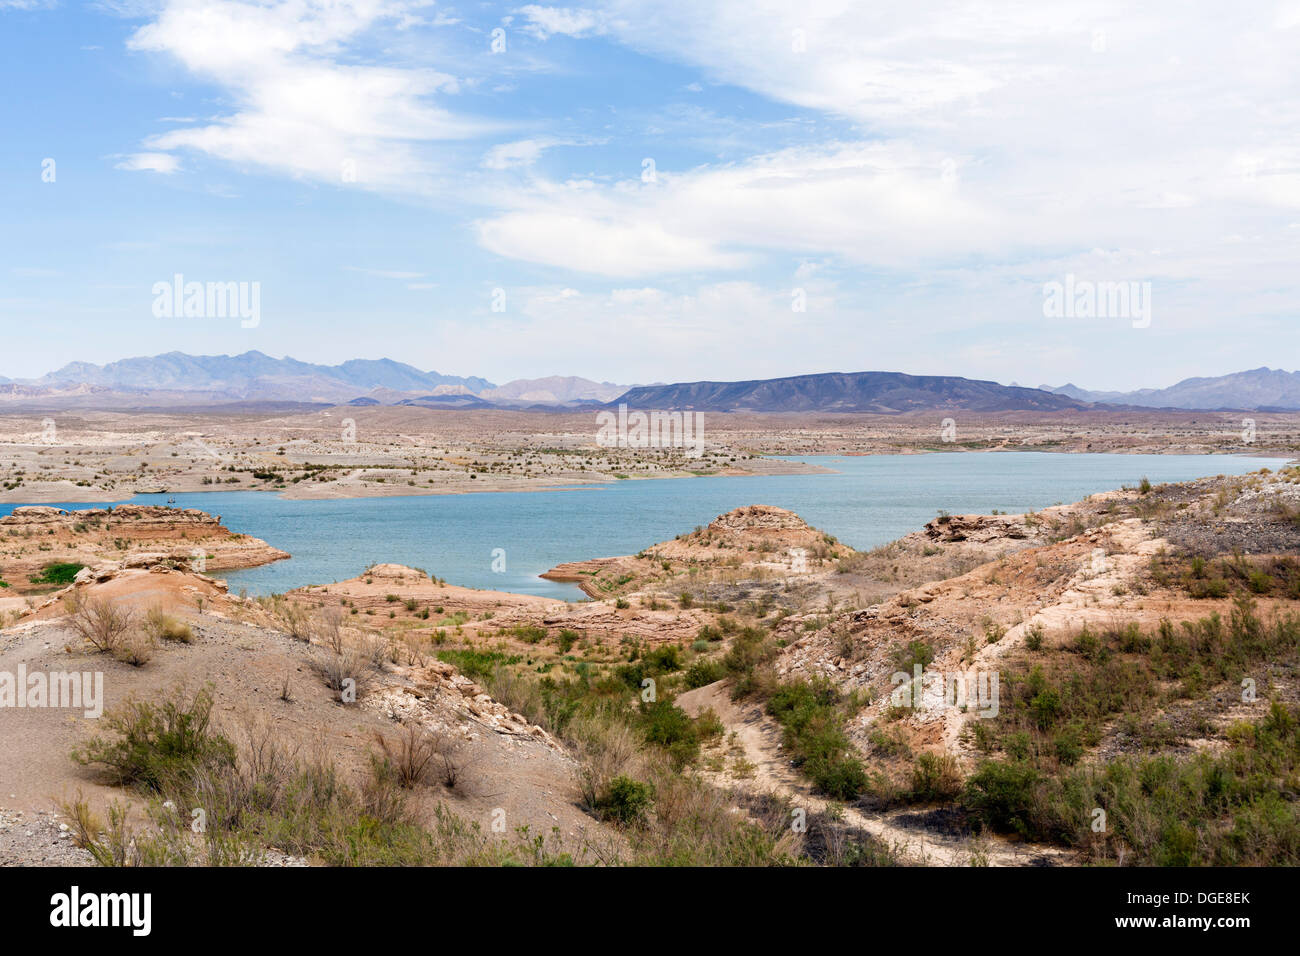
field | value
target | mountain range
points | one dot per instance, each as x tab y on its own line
1259	389
252	379
881	392
254	375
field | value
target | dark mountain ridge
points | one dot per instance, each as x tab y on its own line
879	392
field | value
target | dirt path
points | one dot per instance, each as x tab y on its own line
919	836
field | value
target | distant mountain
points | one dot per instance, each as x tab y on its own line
1258	389
882	392
448	400
386	373
254	375
554	390
176	379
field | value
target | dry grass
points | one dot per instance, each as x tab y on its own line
350	664
411	754
135	648
161	626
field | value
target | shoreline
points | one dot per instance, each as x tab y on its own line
50	496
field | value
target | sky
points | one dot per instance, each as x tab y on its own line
658	191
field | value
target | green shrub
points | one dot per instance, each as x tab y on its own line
1005	796
478	665
60	573
625	800
664	659
159	745
1034	638
704	672
666	724
935	777
840	777
810	715
1259	582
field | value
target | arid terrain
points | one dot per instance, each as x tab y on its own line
1111	681
342	452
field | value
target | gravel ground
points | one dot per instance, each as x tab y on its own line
37	839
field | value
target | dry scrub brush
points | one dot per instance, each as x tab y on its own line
109	628
350	663
98	621
418	756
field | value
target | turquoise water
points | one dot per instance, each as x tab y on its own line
867	502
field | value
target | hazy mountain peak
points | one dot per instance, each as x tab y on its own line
1254	389
254	374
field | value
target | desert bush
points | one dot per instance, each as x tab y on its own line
155	746
748	662
1034	637
98	621
704	672
1006	797
935	777
606	748
325	628
529	633
452	762
812	720
161	626
667	725
135	648
625	800
296	619
261	794
350	663
411	754
109	844
382	800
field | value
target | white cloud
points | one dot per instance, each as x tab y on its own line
304	106
523	152
164	163
544	22
1023	133
865	202
977	151
610	246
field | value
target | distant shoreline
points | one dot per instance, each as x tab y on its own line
49	497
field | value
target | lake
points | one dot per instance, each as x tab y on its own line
868	501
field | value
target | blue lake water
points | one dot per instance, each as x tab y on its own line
868	501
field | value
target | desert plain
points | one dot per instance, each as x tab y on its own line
341	452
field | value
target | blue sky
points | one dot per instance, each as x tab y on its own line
914	176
